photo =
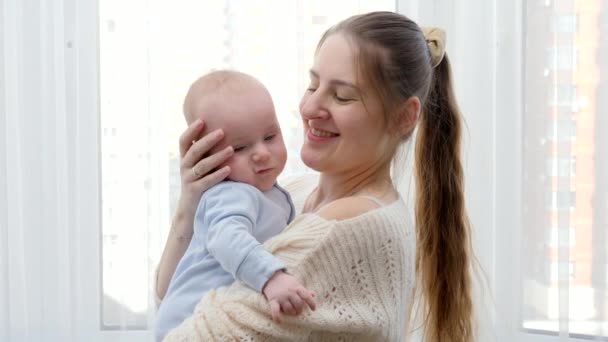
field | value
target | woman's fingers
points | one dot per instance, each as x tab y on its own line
213	178
198	148
190	134
207	164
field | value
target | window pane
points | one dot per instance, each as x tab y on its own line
565	168
562	58
150	52
565	23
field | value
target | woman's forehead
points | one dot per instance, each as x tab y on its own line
336	59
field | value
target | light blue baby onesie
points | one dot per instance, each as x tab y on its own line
231	223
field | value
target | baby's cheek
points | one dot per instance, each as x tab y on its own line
236	169
281	153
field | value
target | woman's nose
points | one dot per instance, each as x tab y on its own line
312	107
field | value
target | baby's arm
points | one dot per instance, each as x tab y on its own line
230	212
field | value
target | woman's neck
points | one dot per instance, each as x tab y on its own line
373	182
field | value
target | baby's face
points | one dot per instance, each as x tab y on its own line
250	126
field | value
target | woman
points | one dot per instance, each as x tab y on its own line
374	78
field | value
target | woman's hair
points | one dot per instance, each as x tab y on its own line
394	57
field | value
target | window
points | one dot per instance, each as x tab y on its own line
556	238
562	58
150	52
562	130
561	167
562	95
563	202
555	269
565	23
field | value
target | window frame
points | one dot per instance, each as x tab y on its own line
82	25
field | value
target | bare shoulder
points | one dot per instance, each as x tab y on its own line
346	208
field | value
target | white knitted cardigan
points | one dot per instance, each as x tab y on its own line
362	270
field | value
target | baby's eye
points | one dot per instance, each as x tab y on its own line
239	148
269	137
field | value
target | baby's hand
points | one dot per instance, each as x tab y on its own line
287	295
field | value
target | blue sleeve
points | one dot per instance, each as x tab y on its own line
230	211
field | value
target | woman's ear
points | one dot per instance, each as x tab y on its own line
408	114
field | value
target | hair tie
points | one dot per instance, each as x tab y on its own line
435	39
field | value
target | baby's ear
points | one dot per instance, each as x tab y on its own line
346	208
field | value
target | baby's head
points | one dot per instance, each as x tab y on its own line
242	107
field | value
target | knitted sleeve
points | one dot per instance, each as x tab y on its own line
358	269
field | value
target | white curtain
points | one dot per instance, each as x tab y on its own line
48	171
89	117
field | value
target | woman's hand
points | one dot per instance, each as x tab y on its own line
198	173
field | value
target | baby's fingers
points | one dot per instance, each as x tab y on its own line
275	310
287	308
307	297
296	302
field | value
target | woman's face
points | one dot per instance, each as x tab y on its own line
344	127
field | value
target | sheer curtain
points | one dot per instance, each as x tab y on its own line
90	96
49	168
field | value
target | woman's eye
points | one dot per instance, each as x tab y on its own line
269	138
341	99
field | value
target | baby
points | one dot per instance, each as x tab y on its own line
236	216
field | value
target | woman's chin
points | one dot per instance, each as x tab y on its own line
311	160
